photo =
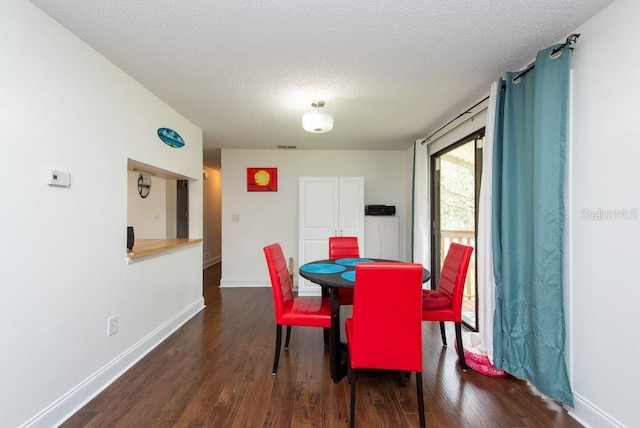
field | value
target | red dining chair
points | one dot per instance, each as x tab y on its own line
445	303
290	310
343	247
385	331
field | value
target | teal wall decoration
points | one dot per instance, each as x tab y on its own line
170	137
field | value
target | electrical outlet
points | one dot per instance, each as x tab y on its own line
112	325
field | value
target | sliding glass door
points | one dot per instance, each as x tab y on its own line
455	178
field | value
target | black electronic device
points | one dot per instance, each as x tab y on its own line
379	210
130	238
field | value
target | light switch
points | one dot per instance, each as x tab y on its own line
235	218
58	178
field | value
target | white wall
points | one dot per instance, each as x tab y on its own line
603	253
267	217
63	269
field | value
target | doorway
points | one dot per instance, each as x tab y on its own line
455	180
182	209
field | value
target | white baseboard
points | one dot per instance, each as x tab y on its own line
75	399
589	415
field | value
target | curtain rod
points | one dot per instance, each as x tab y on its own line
571	39
467	111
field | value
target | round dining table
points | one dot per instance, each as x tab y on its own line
332	275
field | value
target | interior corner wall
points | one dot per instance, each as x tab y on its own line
212	212
409	163
63	268
170	209
603	218
267	217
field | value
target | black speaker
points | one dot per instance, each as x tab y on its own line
379	210
130	238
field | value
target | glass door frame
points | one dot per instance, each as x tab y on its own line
434	209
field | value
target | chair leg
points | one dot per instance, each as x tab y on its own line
420	399
403	381
463	363
444	336
352	381
286	342
278	344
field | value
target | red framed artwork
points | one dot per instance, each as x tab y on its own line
262	179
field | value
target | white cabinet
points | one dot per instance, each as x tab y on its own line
329	206
381	237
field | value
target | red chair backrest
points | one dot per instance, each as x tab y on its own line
280	279
343	246
454	273
387	317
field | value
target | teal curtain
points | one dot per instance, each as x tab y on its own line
528	225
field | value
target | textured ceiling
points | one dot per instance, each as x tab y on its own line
390	71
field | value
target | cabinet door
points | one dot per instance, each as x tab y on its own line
329	206
318	220
382	237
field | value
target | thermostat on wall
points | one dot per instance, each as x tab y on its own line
58	178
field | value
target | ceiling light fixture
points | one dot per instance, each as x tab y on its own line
316	121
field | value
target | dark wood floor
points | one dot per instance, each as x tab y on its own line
215	371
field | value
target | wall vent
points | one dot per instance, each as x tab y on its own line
287	147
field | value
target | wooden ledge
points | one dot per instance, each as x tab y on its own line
148	247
